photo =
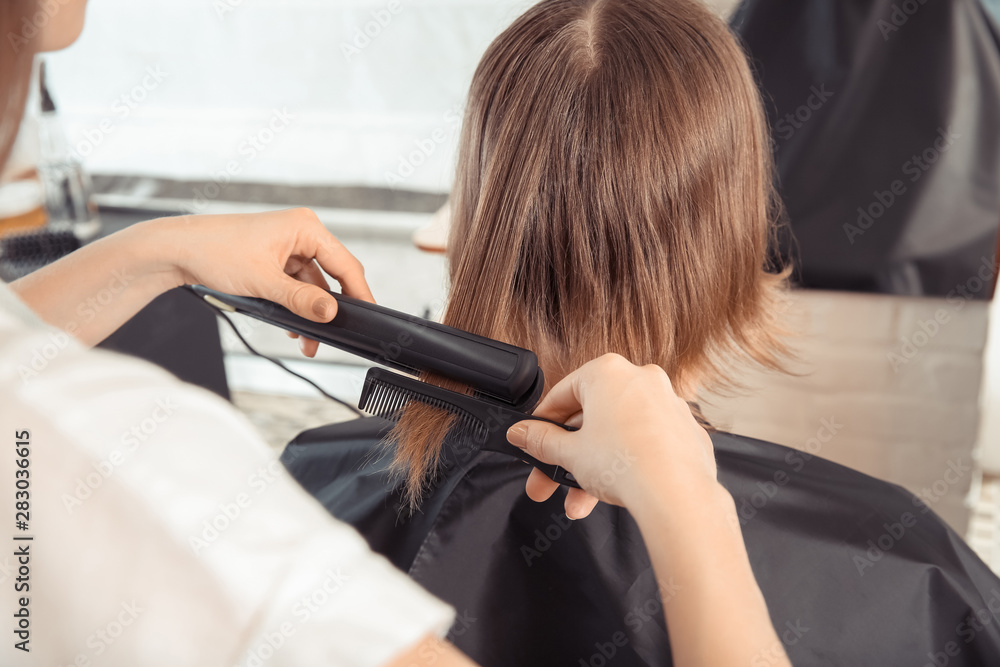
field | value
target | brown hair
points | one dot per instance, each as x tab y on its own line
15	68
614	194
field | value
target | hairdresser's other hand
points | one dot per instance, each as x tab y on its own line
275	255
637	438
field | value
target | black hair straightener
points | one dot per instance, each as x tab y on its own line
506	380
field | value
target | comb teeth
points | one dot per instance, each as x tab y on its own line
382	398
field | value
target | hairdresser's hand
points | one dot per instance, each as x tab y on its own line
637	438
93	291
640	447
275	255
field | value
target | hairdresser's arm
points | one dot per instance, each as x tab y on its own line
640	447
96	289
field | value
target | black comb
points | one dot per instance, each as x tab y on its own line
386	394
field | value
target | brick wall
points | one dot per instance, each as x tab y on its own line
989	434
723	7
900	378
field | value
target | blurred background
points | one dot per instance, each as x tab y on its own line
886	124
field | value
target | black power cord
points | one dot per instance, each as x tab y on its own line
280	365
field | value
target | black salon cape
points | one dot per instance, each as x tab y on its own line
854	571
854	90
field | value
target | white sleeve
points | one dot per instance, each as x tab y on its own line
165	532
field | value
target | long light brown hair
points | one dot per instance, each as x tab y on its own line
614	194
17	52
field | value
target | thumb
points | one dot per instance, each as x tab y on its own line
546	442
305	299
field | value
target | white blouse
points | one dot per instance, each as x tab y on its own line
164	532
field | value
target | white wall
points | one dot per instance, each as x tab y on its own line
227	68
226	65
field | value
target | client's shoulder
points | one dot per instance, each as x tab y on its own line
807	461
771	479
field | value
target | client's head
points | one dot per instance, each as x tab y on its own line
613	194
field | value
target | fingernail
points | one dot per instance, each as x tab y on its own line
517	435
323	310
